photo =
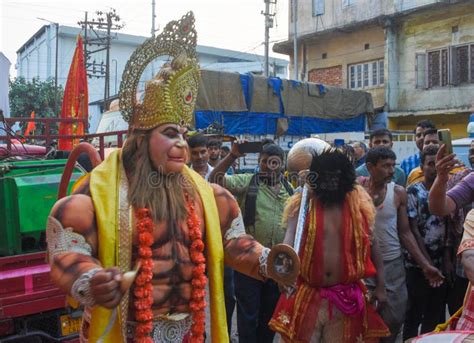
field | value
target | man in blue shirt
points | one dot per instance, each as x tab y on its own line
413	161
383	137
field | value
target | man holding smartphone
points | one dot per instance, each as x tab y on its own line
431	137
261	197
443	201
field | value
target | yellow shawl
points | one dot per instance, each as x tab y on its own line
104	187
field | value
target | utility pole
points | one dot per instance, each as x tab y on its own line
101	36
153	16
268	25
56	71
295	40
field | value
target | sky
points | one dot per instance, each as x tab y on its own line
228	24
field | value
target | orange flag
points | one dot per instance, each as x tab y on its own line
75	101
31	124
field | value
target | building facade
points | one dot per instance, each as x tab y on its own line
414	56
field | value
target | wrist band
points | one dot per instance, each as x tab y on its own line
81	288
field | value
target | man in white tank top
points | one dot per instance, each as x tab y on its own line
392	231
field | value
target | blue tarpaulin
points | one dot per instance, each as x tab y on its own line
236	123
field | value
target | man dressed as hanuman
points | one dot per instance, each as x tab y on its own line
142	209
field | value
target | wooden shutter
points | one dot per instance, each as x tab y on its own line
454	69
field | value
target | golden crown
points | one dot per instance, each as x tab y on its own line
170	97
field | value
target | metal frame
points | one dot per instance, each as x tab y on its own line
50	137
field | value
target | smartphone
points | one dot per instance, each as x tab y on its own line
250	147
444	137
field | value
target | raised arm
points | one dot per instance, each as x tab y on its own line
218	174
439	203
432	274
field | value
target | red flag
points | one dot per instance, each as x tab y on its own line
75	102
31	124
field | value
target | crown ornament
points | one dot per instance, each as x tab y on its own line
171	95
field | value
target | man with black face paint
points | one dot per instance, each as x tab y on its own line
392	230
330	302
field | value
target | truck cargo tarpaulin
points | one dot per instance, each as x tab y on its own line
308	107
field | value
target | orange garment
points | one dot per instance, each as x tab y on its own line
31	125
295	317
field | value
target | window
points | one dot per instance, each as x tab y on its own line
447	66
366	75
348	2
462	64
421	71
472	63
318	7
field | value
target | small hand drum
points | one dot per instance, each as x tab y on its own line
283	264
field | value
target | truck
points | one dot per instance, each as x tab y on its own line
32	308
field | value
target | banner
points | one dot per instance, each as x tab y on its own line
75	101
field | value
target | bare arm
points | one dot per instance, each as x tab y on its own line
241	251
440	204
378	263
434	276
76	213
380	292
218	173
419	239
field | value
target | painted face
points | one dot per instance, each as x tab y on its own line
431	139
168	148
199	157
214	152
419	137
383	171
429	168
381	141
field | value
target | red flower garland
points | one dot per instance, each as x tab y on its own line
197	303
144	289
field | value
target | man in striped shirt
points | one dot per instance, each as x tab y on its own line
413	161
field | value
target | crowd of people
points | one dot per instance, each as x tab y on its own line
378	251
422	273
